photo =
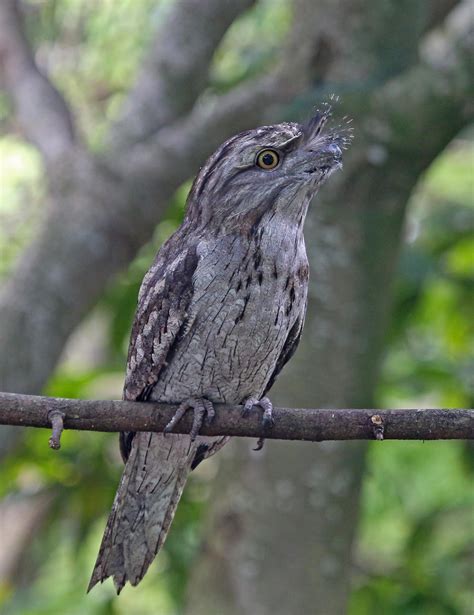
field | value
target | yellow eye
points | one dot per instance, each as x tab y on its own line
268	159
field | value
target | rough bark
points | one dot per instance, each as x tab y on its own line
280	542
313	425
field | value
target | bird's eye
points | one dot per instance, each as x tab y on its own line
267	159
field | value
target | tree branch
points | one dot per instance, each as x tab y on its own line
41	110
290	423
437	11
175	69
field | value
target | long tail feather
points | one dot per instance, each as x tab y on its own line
144	506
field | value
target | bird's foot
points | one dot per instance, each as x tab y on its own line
267	418
202	408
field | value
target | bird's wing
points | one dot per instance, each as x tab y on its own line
288	350
160	322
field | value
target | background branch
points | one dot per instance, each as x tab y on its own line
175	69
290	423
42	113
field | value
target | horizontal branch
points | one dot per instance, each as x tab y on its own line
290	423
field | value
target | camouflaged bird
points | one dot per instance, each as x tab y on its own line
219	314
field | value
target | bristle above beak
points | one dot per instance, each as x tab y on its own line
316	124
341	133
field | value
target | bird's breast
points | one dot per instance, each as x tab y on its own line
248	293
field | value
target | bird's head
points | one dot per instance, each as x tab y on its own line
277	168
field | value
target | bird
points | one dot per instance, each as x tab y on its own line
219	313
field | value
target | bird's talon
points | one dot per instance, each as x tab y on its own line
210	413
202	409
267	418
268	422
248	405
178	415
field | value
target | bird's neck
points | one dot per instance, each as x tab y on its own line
287	218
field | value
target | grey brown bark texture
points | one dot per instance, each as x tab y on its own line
314	425
407	111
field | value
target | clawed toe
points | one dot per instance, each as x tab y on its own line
202	409
210	411
267	418
177	416
249	403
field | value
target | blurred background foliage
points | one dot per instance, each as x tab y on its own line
415	542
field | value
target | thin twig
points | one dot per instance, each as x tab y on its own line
57	424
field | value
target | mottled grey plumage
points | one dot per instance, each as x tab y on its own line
219	314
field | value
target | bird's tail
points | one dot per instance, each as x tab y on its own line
144	506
